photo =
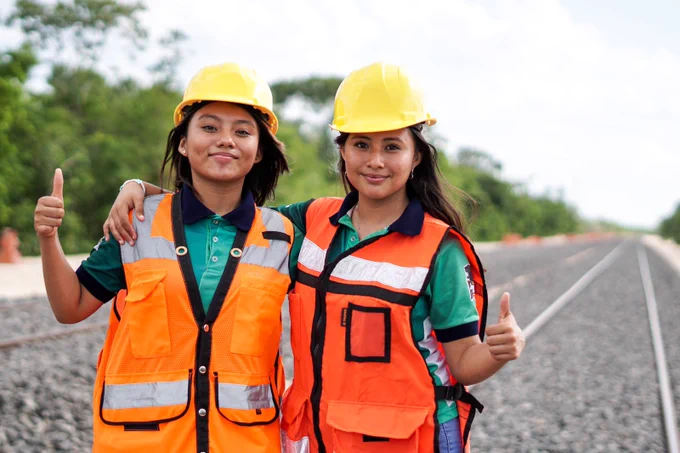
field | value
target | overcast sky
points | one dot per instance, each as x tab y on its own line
577	95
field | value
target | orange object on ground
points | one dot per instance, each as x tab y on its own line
512	238
9	246
172	378
360	383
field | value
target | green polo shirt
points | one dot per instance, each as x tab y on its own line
447	305
209	240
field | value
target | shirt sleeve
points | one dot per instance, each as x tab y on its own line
102	272
453	311
296	213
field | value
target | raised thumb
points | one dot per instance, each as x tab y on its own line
505	307
58	184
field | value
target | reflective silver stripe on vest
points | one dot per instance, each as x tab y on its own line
398	277
151	394
237	396
145	245
312	256
276	255
294	446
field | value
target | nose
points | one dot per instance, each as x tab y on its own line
225	140
375	159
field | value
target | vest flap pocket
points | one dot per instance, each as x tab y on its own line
246	400
145	397
146	314
144	283
394	422
372	428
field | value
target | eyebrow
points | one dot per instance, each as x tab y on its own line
208	115
248	122
388	139
217	118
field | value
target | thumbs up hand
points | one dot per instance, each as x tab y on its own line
49	212
505	339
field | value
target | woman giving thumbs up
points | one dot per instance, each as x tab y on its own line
70	302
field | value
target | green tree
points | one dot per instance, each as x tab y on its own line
670	226
319	91
14	120
84	24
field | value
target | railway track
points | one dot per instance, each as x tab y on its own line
56	333
535	332
589	380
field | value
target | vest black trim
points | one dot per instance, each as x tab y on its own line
203	322
387	295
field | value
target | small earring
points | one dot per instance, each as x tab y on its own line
412	170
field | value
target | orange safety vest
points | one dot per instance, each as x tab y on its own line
360	383
172	378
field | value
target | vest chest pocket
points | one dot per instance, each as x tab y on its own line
146	315
372	428
368	337
257	321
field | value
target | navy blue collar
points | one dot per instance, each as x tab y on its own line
241	217
410	223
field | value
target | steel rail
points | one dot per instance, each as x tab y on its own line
25	339
665	390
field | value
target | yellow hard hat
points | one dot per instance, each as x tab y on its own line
230	82
379	97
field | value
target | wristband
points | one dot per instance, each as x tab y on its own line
138	181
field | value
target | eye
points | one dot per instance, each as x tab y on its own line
243	133
392	148
361	145
209	128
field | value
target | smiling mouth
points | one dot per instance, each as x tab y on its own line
223	156
374	177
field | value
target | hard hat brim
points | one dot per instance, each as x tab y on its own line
377	126
273	122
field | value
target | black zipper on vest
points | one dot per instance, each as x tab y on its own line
203	322
319	330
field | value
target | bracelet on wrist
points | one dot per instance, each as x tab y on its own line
138	181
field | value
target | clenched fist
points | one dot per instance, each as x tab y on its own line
49	212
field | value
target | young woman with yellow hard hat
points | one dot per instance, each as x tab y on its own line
190	362
388	310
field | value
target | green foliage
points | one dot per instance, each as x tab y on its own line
85	24
670	227
319	91
311	175
482	161
102	132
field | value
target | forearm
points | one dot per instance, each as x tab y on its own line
476	365
62	284
150	189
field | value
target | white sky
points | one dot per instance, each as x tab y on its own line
575	95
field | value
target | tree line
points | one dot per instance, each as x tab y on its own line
102	132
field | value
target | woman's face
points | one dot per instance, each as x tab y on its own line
379	163
222	143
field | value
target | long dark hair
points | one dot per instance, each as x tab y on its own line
261	180
428	183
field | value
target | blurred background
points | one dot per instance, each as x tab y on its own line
559	118
555	116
